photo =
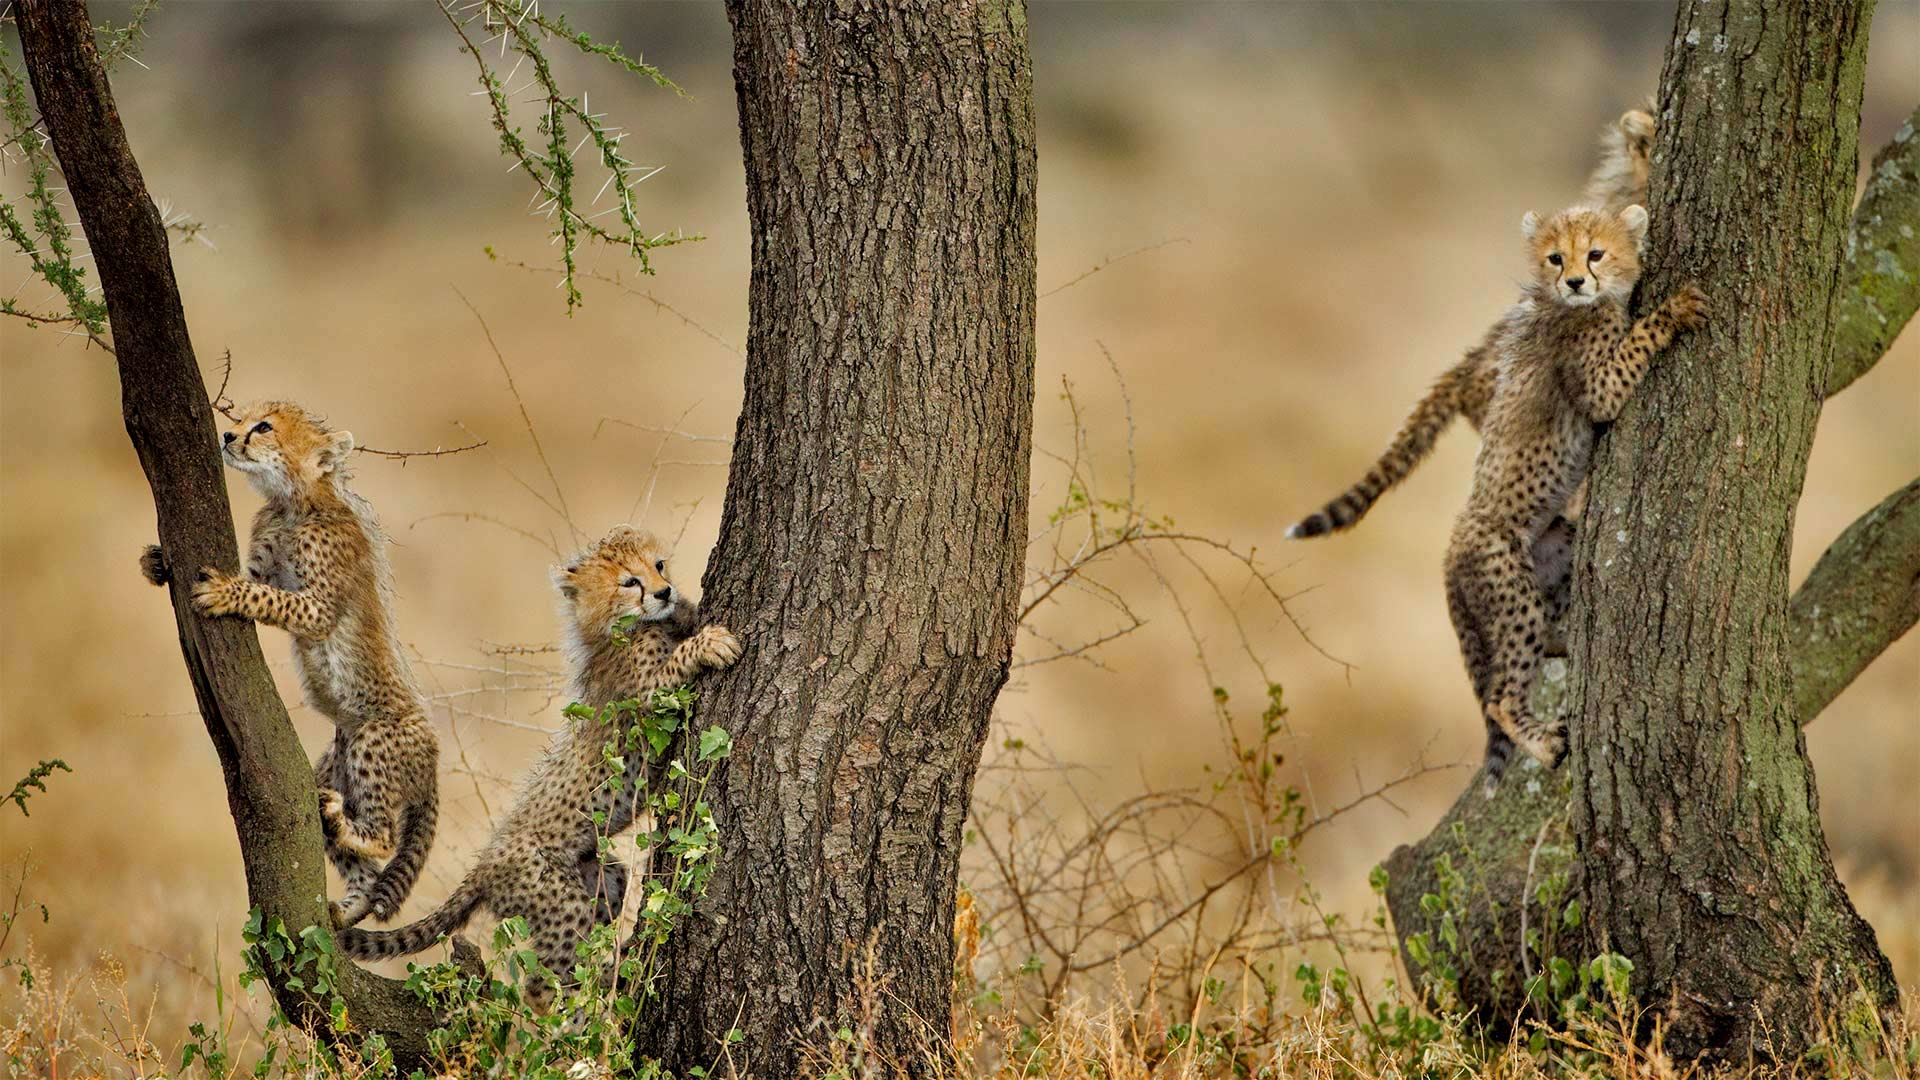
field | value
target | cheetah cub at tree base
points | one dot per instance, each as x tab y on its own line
1617	182
1568	358
543	862
317	568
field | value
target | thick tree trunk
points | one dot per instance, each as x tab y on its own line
871	549
269	780
1487	859
1694	807
1687	817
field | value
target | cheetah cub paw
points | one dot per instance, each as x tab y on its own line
333	812
347	910
718	647
153	565
1548	746
1690	307
213	593
1545	743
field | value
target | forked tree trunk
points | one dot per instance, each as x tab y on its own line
872	544
269	781
1694	806
1687	818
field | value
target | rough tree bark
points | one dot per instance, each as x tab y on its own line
164	402
1687	817
1694	806
871	548
1881	284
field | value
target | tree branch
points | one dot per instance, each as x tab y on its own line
1861	596
1880	284
269	782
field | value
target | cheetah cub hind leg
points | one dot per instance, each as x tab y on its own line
1553	572
1500	617
357	870
1520	626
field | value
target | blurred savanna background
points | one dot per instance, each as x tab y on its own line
1298	215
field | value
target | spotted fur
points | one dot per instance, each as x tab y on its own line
317	568
1568	358
543	862
1617	182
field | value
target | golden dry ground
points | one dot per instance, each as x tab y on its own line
1344	186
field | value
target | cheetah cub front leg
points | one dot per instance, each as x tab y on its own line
711	647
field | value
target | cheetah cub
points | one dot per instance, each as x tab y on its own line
543	862
317	568
1617	182
1568	357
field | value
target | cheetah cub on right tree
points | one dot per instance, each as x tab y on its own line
543	862
1568	359
1618	181
317	568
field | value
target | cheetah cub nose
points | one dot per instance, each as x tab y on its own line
226	438
1574	283
663	594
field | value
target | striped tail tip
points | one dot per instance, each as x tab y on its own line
1307	528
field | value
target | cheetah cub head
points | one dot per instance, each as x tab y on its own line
622	576
283	449
1583	255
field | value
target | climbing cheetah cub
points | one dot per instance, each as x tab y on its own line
1617	182
1568	358
543	862
317	568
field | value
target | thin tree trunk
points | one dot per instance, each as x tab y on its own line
1861	596
1694	806
269	780
871	549
1880	287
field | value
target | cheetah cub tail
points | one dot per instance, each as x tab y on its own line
1410	446
413	937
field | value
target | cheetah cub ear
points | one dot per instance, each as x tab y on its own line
563	580
333	453
1529	224
1637	125
1635	219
